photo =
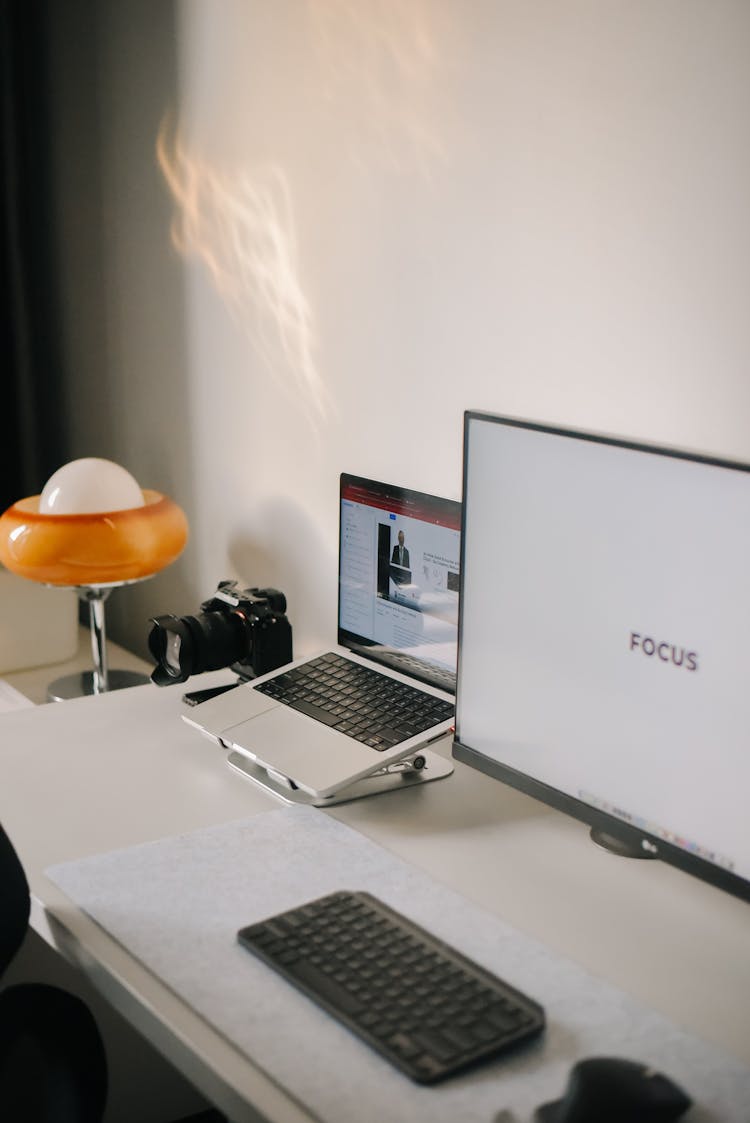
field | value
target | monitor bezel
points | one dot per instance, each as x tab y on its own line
638	841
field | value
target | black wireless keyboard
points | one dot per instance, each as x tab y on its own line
423	1005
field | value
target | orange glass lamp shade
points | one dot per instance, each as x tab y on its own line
93	548
92	528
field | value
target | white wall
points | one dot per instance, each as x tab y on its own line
390	212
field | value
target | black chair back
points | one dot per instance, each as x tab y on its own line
53	1067
15	903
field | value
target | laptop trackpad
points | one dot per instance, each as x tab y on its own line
302	749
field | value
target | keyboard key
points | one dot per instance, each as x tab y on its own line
333	993
314	711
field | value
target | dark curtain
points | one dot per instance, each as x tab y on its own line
31	425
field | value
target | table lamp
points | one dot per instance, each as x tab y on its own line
92	529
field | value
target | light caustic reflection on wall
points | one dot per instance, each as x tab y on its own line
377	65
241	226
380	60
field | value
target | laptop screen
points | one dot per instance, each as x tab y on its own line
398	578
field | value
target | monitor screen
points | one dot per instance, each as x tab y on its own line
398	577
604	651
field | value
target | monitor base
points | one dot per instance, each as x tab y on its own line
619	846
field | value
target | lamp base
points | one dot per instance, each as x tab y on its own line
82	684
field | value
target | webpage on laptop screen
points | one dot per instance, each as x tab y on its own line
398	571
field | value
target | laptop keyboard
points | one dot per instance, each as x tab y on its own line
424	1006
410	665
366	705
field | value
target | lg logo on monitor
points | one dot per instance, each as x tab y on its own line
666	652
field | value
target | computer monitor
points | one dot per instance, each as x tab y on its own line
604	637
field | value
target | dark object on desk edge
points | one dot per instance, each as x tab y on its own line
421	1004
615	1090
195	697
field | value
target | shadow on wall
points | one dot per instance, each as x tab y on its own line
292	555
129	349
376	72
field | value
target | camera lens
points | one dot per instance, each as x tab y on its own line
172	648
187	645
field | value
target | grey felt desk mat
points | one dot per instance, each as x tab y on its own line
177	904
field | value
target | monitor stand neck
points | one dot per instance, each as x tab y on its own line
620	846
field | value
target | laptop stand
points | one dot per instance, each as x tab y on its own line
419	769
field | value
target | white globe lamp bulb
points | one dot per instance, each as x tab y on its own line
88	486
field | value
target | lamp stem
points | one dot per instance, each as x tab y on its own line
95	597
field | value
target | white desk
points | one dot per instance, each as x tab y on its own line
97	774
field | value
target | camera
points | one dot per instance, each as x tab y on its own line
245	629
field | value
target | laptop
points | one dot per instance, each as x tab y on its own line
397	643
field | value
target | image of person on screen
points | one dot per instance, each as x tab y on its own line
400	553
